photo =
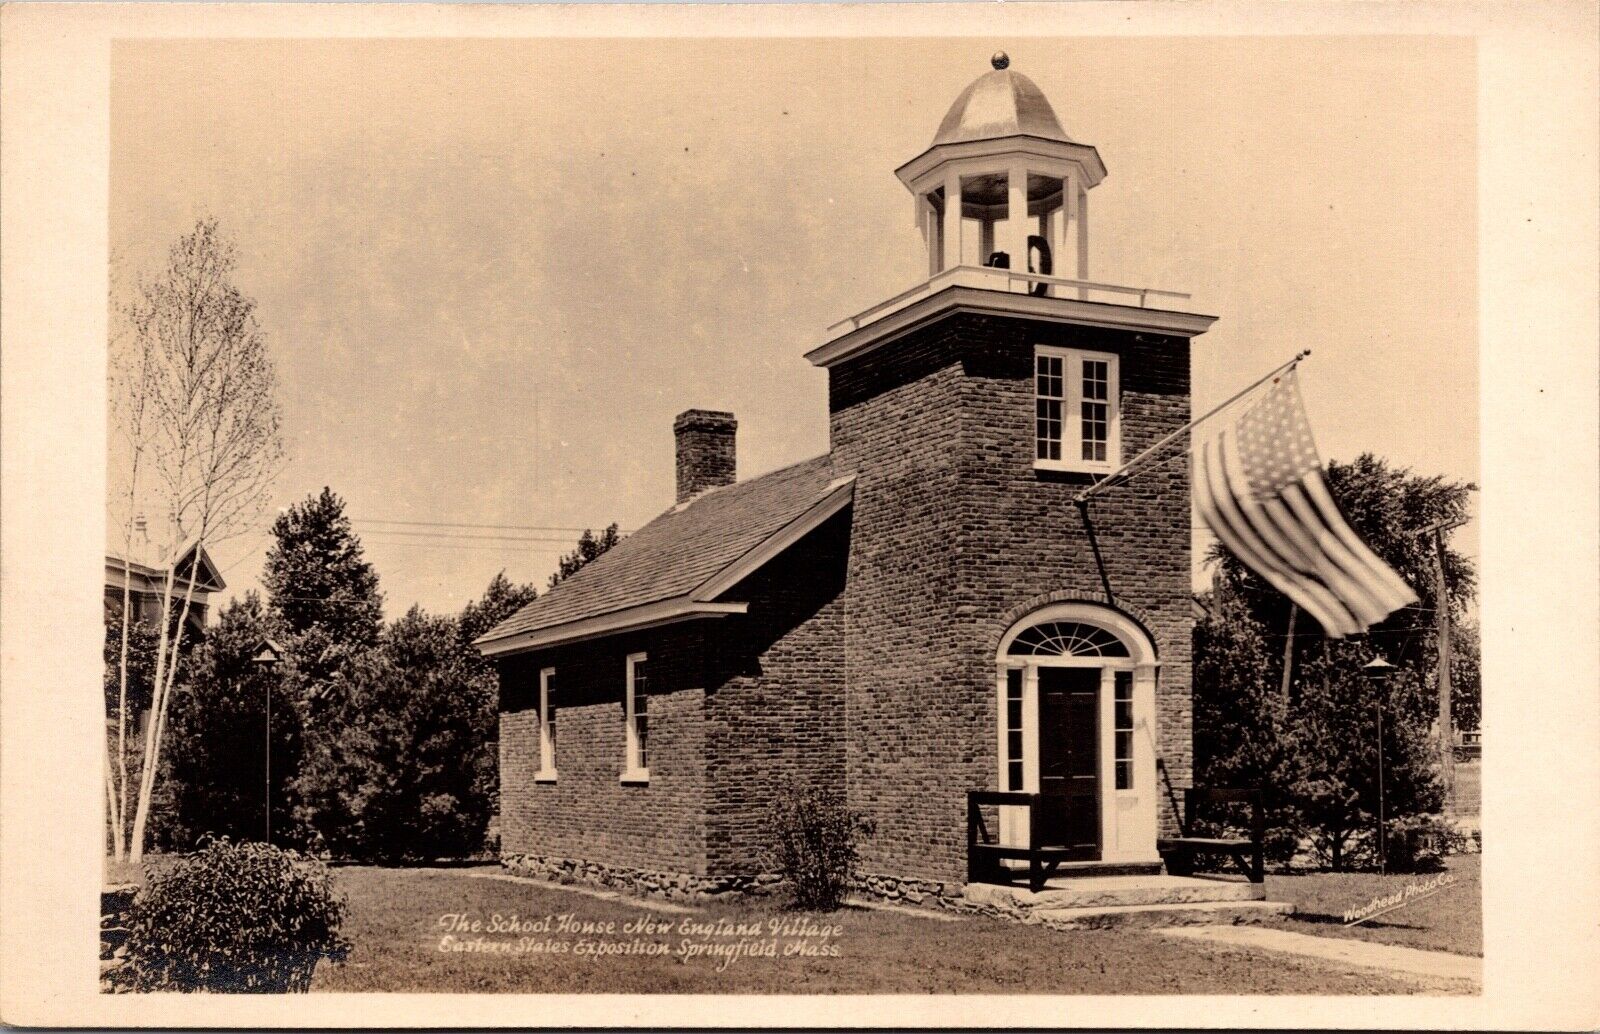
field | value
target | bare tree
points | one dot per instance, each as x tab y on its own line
196	401
129	368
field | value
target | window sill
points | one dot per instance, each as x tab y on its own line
1061	467
636	776
545	776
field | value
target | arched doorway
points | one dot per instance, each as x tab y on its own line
1076	723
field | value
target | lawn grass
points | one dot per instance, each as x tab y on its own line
1449	920
394	923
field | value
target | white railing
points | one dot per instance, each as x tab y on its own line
994	279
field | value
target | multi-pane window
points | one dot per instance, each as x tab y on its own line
1122	726
1049	399
547	723
1095	409
637	733
1013	730
1075	409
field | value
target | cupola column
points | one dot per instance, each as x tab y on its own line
951	237
1076	244
1018	226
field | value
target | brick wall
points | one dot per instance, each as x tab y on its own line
588	813
776	713
739	706
955	535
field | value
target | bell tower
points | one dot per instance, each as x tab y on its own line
972	408
1003	186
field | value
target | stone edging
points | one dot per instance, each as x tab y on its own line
670	885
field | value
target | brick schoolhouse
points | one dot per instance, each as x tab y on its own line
922	612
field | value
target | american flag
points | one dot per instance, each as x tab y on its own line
1259	486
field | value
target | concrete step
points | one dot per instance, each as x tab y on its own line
1197	913
1114	892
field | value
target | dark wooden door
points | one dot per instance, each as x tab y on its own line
1069	760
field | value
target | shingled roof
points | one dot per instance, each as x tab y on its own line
680	555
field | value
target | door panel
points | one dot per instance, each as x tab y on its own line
1069	760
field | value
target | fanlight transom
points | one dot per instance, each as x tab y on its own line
1066	639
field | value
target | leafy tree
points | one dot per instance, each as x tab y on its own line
402	763
500	600
1314	751
1466	677
348	754
219	734
590	547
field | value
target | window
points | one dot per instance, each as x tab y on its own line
636	764
1076	410
1013	730
1066	639
547	726
1122	725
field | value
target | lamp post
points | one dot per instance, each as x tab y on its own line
1377	672
266	660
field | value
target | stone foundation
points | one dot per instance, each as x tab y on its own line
647	883
907	891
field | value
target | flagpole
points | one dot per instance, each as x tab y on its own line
1121	471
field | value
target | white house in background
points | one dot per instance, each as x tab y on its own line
145	573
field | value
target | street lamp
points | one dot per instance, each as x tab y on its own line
266	659
1377	672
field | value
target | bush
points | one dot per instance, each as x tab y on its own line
1419	843
815	836
244	917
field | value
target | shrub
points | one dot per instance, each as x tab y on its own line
815	845
1419	843
244	917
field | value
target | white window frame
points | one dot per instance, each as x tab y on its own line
1072	360
632	771
547	743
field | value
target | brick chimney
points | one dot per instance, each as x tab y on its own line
705	451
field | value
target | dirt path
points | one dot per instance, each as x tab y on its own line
1433	967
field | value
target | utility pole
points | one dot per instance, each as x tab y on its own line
1447	747
1441	608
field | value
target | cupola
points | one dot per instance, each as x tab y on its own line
1003	186
1001	201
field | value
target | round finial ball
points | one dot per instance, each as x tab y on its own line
1000	60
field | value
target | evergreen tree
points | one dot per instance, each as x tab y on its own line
590	547
1241	734
317	578
1335	726
218	750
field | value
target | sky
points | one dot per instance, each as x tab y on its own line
491	272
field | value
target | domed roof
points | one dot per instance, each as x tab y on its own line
1000	103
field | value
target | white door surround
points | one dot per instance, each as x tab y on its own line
1083	635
